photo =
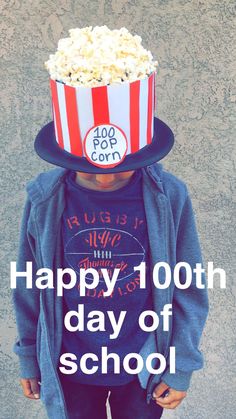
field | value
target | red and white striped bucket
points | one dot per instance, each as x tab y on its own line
104	124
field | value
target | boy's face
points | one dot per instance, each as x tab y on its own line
107	182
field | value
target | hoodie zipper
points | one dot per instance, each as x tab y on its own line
158	183
51	359
47	333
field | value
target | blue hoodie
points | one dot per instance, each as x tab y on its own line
39	313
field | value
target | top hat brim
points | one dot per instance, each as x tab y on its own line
48	149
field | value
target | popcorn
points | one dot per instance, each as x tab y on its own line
99	56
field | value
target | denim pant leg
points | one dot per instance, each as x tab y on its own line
85	401
129	402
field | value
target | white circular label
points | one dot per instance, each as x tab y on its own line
105	145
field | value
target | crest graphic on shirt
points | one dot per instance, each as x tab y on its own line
104	248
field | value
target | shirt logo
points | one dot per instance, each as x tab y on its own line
101	248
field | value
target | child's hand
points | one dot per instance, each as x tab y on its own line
171	397
31	388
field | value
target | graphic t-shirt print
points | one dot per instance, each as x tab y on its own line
109	246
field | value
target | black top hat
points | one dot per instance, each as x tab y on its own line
48	149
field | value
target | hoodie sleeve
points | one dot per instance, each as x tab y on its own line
190	306
26	304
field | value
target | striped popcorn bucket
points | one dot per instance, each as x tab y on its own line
104	124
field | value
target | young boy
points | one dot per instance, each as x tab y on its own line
96	215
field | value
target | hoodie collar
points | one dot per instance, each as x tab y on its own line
154	172
47	183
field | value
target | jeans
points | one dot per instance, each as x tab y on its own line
127	401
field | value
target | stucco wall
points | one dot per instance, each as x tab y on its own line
196	94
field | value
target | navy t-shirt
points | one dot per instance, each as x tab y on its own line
106	230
